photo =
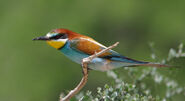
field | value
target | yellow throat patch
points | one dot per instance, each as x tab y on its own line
56	44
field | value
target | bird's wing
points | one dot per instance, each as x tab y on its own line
90	47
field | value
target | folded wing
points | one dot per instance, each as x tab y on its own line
89	46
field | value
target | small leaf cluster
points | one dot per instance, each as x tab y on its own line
123	92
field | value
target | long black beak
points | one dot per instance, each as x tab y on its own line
41	38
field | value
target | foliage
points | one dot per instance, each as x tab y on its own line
139	90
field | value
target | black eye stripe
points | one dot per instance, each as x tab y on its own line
59	36
64	36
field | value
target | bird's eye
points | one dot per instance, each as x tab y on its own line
59	36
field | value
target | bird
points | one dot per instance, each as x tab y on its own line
76	47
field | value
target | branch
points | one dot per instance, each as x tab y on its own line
83	81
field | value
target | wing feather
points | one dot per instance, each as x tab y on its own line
88	46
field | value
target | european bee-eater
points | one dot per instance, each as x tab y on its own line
76	47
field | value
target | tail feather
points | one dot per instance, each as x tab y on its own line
154	65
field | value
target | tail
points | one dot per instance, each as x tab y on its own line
154	65
132	62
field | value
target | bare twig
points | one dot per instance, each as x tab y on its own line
85	62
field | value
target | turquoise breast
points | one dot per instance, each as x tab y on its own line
73	54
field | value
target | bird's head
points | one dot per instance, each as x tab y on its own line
57	38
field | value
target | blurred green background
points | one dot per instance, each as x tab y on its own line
34	71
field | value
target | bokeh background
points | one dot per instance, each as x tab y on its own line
33	71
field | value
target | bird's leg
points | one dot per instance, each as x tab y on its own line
83	81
